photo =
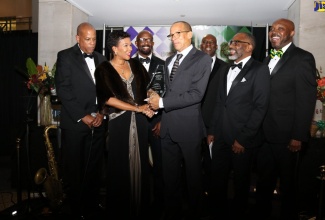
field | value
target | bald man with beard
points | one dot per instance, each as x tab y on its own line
236	128
287	123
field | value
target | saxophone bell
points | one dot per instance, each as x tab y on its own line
40	176
51	183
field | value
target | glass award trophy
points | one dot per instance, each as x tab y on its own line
157	82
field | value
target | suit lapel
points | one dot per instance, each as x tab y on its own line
241	74
167	73
152	66
81	59
214	69
96	60
187	59
283	59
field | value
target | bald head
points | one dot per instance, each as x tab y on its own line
145	43
84	26
86	37
288	23
281	33
209	45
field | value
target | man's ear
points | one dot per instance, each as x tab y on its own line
249	48
77	38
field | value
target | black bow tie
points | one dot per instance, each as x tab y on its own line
88	55
147	60
239	65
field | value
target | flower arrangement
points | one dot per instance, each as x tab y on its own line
41	79
320	86
321	97
321	89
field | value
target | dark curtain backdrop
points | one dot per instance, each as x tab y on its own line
260	36
99	43
15	48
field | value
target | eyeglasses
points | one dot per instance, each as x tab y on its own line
235	42
176	34
142	39
208	42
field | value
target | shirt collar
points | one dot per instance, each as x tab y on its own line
244	61
286	47
144	57
185	51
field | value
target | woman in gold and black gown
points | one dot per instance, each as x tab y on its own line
121	88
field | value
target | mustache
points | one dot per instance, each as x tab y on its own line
275	35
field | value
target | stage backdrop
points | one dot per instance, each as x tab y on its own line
163	46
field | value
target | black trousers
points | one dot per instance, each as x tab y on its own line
82	161
179	157
276	161
155	146
223	163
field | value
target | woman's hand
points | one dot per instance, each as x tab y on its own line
144	109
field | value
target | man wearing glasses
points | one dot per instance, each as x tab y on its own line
144	42
235	129
182	126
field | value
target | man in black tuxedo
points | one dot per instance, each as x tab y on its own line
81	123
182	126
144	42
235	130
209	46
287	123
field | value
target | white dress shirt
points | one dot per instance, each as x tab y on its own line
233	73
276	59
146	65
213	61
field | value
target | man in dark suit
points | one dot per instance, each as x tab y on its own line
81	123
209	46
182	126
235	130
144	42
288	119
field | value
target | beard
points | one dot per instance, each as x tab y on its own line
233	57
145	51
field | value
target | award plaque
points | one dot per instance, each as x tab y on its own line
157	82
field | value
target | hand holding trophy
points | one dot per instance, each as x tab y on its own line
156	87
157	82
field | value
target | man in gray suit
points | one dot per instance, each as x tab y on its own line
182	126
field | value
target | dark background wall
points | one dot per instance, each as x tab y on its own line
15	48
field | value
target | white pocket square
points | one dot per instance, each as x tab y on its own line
243	80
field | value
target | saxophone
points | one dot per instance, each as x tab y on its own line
52	183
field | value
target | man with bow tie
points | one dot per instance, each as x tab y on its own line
235	129
83	141
287	122
145	43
